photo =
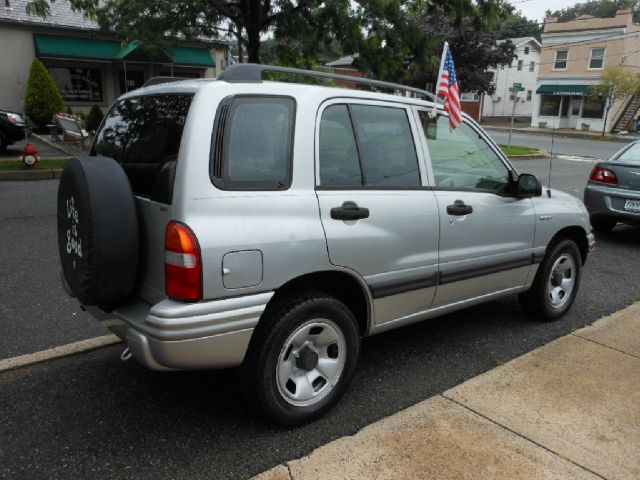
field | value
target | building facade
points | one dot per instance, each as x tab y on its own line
88	65
574	56
523	70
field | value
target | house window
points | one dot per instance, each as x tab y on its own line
469	96
529	95
511	97
596	58
532	66
560	62
549	105
519	65
526	50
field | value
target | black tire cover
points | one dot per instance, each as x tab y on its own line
98	238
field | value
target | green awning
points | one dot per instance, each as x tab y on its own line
74	47
192	56
564	89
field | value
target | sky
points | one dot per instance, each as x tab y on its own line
534	9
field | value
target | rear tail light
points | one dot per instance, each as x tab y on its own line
182	264
604	175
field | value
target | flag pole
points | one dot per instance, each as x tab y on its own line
434	110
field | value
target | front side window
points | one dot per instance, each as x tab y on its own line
596	58
143	135
461	159
560	62
252	143
367	146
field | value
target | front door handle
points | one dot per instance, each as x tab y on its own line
459	208
349	211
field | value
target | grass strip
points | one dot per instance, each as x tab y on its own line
44	164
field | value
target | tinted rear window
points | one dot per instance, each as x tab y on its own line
631	156
143	135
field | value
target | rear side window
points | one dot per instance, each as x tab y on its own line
631	156
367	146
143	135
252	143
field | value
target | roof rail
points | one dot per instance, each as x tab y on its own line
159	80
252	72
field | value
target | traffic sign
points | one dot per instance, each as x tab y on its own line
517	87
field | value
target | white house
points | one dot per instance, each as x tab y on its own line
524	70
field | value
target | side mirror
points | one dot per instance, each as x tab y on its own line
528	186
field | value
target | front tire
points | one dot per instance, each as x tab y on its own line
302	357
556	283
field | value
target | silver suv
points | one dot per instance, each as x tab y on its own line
271	225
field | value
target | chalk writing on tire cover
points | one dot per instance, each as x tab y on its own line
74	243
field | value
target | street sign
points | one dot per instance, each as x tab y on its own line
517	87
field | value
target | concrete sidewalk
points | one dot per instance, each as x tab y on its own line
570	409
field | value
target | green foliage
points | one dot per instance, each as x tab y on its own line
517	25
94	118
42	98
597	8
616	83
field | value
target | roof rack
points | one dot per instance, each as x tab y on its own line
252	72
159	80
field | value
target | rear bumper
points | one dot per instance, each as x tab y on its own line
172	335
609	202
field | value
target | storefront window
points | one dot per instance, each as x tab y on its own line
593	107
134	79
549	105
78	84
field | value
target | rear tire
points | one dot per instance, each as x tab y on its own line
556	283
603	224
301	358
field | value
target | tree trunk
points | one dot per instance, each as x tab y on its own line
253	49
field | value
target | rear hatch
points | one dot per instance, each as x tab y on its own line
143	134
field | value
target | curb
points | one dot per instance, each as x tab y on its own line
560	134
16	175
533	156
474	429
58	352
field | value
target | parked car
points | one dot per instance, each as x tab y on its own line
12	128
271	225
612	193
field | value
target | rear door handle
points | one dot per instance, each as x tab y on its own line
349	211
459	208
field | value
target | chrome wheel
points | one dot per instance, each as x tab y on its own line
561	281
311	362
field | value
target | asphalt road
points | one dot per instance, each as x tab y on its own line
561	145
92	416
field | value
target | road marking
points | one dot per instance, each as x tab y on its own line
58	352
575	158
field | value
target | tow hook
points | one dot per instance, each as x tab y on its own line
125	355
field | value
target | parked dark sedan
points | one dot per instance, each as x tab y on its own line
12	128
612	194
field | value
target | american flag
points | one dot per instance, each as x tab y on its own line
448	87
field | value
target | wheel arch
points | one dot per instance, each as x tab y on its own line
578	235
345	286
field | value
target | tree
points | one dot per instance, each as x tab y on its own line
597	8
616	83
94	119
517	25
42	99
246	20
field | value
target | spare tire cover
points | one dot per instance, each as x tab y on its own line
98	238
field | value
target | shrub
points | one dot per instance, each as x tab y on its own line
43	99
94	118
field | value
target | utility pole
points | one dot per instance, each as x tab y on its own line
517	87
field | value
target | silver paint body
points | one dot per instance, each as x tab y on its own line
252	243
